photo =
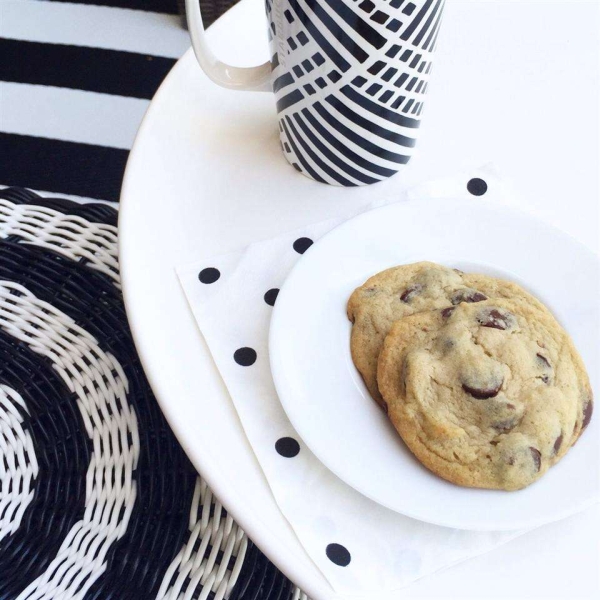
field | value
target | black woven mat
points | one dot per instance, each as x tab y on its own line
135	564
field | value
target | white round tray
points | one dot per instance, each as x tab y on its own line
206	176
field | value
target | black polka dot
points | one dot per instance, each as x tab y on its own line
245	356
271	296
209	275
477	187
301	245
338	555
287	446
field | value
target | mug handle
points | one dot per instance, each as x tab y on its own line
236	78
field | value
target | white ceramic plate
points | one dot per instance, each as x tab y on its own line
324	395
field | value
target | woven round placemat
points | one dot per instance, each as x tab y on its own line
97	498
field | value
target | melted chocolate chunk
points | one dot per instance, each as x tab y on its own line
558	443
446	312
409	293
587	414
467	295
495	318
482	393
542	359
506	425
537	457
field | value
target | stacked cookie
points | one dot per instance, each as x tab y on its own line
479	379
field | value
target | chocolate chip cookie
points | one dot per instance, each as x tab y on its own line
486	395
408	289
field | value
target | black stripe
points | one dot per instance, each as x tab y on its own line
65	167
382	132
415	22
411	84
428	23
78	67
282	81
340	62
426	45
289	100
324	166
359	140
299	156
338	145
434	42
356	23
339	33
163	6
336	160
377	109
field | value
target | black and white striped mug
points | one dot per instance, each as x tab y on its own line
349	77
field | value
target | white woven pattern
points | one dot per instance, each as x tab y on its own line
18	464
101	389
68	235
196	564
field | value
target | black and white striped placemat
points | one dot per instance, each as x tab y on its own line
75	81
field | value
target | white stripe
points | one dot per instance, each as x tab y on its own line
95	26
78	199
71	115
18	465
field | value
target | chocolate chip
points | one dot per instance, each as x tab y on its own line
587	414
558	443
537	457
511	406
409	293
458	271
482	393
448	344
544	363
467	295
511	461
504	426
494	443
495	318
542	359
446	312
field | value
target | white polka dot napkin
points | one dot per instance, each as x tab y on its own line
360	547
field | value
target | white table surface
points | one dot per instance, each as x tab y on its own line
516	83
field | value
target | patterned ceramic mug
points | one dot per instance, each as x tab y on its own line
349	77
